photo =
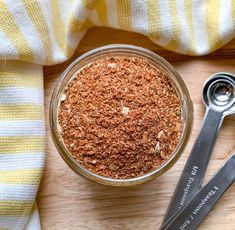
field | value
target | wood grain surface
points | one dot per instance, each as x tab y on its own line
68	201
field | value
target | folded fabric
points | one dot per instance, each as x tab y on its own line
48	32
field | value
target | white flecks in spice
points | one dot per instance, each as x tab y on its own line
112	65
63	97
94	161
157	147
125	110
163	155
160	134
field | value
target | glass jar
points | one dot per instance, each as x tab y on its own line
129	51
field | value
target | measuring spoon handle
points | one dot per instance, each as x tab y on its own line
191	215
195	168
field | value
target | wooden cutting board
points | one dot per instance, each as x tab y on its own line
68	201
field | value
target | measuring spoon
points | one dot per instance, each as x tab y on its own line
219	99
191	215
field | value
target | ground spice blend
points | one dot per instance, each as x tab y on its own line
120	117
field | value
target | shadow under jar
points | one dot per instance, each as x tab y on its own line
120	115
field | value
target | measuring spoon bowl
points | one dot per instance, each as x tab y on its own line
219	93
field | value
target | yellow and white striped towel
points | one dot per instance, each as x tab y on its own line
35	33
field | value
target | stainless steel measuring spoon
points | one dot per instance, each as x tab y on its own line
219	99
191	215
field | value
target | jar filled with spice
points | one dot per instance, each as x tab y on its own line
120	115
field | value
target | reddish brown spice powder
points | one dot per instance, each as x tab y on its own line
120	117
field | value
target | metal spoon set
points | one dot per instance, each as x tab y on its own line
191	203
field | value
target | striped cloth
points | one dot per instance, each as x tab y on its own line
35	33
22	137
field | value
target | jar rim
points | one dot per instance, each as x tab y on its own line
129	50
